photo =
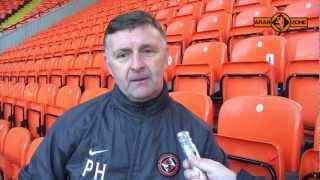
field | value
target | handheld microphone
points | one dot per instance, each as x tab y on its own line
190	150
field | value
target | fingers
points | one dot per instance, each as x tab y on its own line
191	174
206	165
186	164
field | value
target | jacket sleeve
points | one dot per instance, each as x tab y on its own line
244	175
50	159
213	151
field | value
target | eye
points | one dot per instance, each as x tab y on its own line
121	55
148	51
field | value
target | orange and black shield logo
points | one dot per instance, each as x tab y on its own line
280	22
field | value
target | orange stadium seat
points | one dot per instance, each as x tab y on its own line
201	63
193	10
243	24
97	75
176	3
242	5
15	71
179	32
258	158
175	57
27	68
7	99
302	75
281	4
15	149
67	97
200	104
75	74
218	6
4	128
310	161
165	16
269	119
17	90
58	75
269	49
29	95
246	79
35	110
305	8
6	72
214	26
92	93
32	149
45	69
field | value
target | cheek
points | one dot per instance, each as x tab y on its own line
158	68
119	71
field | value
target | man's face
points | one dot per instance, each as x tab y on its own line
137	59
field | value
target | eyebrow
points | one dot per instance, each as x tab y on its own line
122	50
148	46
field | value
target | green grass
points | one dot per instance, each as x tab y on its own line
13	19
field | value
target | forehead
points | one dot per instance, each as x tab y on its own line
143	35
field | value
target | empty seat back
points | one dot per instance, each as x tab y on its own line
217	6
16	146
180	32
32	148
305	8
92	93
200	104
270	119
246	79
262	48
256	157
213	26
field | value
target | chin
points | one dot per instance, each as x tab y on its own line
142	96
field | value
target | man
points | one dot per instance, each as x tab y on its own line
129	133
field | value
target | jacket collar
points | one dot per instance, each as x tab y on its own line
145	109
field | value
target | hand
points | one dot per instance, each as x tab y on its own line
213	169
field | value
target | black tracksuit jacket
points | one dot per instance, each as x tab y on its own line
111	137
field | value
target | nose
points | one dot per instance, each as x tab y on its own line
137	63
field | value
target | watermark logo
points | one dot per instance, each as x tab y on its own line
280	22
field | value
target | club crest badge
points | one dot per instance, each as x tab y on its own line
168	164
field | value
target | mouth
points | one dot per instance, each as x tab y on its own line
139	81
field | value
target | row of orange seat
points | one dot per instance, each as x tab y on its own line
8	7
37	107
85	70
83	34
